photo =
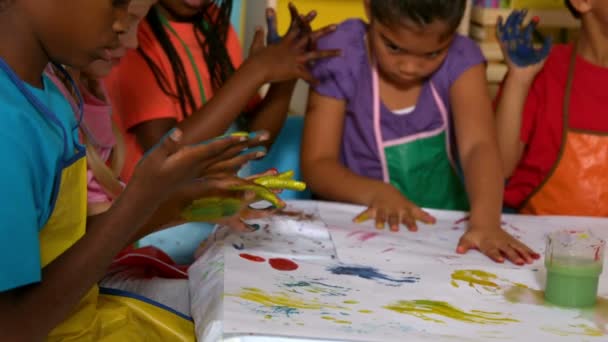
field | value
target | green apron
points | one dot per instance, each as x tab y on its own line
421	165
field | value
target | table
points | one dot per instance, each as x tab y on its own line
319	277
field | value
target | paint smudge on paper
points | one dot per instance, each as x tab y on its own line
282	264
315	287
426	309
366	311
238	247
335	320
251	257
474	277
597	314
281	303
371	273
388	250
486	280
363	235
575	330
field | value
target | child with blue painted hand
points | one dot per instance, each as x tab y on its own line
189	71
551	122
393	119
51	254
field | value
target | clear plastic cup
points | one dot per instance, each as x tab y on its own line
574	260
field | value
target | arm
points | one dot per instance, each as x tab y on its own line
524	62
476	136
31	312
321	166
478	149
509	119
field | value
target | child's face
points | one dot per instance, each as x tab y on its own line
184	8
137	11
77	32
407	54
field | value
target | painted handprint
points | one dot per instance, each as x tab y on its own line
517	40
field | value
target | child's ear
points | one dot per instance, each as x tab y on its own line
583	6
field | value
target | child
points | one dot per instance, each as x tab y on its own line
186	55
52	293
552	130
386	119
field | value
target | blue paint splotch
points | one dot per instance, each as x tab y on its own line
315	287
371	273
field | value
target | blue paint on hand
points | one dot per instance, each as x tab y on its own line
518	40
370	273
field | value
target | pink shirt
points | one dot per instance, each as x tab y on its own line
97	123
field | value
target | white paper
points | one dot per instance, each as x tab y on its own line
382	286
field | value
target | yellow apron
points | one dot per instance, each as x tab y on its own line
114	316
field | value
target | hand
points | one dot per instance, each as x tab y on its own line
496	244
389	205
299	24
169	164
211	200
517	44
288	59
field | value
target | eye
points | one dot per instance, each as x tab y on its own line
392	47
433	55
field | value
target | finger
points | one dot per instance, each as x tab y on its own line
272	35
316	35
366	215
494	254
380	218
526	252
201	156
306	76
269	172
409	222
258	40
423	216
319	54
393	221
255	214
512	255
465	245
233	164
309	18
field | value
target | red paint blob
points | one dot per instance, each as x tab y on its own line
536	19
283	264
253	258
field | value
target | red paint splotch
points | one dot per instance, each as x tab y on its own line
283	264
253	258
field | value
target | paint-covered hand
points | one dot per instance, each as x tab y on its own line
390	206
289	58
497	244
300	24
517	43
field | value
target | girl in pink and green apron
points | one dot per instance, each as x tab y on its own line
396	117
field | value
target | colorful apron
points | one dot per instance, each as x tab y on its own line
420	165
577	185
98	317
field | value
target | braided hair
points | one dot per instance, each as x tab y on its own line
211	27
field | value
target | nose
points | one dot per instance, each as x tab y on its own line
409	66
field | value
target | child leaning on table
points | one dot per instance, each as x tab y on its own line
392	120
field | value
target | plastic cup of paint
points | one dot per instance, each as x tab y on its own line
574	260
